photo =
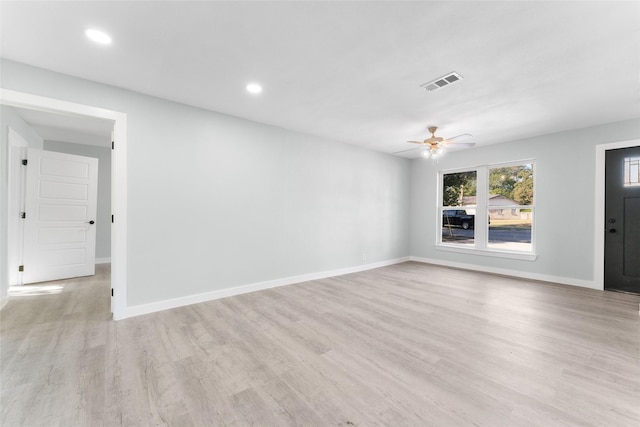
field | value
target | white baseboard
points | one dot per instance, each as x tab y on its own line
3	302
514	273
103	261
139	310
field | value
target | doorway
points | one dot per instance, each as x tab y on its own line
622	216
118	180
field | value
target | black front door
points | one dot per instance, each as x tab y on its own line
622	216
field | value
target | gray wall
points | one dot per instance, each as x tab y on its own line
565	179
217	202
9	118
103	220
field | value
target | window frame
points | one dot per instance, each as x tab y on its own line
480	245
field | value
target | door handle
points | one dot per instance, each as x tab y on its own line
91	222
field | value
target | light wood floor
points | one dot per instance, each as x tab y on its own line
406	345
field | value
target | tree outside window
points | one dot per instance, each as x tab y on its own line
510	226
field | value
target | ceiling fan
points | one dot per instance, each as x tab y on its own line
435	146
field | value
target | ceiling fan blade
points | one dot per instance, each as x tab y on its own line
456	146
410	149
460	137
416	142
463	144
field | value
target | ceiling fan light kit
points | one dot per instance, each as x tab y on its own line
434	152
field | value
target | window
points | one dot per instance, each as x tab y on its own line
458	208
631	171
511	188
488	210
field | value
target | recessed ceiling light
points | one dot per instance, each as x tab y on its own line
98	36
254	88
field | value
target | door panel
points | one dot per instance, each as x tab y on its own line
61	198
65	168
632	237
52	235
62	190
69	213
622	216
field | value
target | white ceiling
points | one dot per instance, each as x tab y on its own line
68	128
352	71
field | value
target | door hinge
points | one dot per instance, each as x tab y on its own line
113	145
23	215
111	291
21	268
24	162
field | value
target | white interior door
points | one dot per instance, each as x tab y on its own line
60	205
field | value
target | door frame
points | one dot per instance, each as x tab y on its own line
599	211
118	180
16	147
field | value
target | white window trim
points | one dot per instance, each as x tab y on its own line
482	212
526	256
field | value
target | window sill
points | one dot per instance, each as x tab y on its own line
525	256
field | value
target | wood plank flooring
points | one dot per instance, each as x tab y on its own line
406	345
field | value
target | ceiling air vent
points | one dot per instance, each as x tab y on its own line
441	82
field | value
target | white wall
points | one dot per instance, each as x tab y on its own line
9	118
217	202
564	201
103	219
